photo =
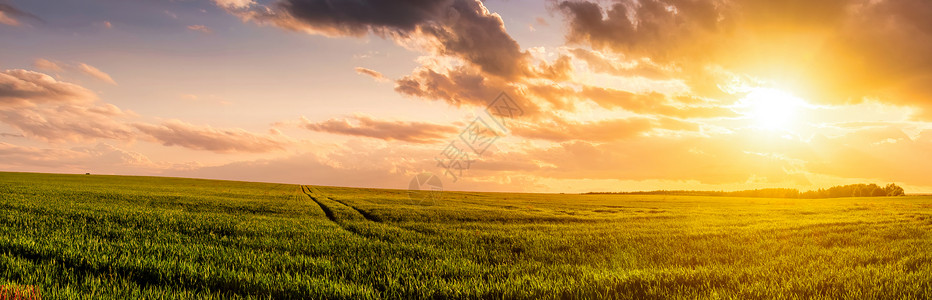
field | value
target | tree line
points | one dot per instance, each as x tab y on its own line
851	190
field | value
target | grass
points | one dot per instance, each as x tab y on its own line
79	236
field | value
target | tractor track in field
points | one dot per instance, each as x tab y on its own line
364	214
307	191
341	218
329	212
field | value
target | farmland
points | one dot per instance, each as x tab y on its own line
81	236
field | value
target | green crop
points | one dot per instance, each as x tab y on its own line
92	236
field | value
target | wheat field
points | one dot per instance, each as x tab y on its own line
119	237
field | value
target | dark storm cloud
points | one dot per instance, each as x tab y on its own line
654	29
459	28
360	17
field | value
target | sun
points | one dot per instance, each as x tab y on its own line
771	109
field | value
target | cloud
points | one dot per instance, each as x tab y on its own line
358	163
96	73
11	16
47	65
652	103
559	70
374	74
360	17
471	57
646	28
413	132
206	98
560	130
177	133
831	52
462	86
56	66
460	28
56	111
4	19
599	131
200	28
708	161
102	158
31	156
598	62
69	122
28	88
743	158
873	152
684	160
234	3
364	169
621	50
457	87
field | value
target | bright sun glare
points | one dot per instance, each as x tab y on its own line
771	109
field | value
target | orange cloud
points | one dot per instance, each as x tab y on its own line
96	73
708	161
56	111
599	63
47	109
837	51
597	110
26	88
69	122
200	28
652	104
47	65
457	87
55	66
102	158
372	73
414	132
885	153
358	163
610	130
177	133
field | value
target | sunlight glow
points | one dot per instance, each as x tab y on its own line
771	109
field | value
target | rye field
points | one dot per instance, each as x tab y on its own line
120	237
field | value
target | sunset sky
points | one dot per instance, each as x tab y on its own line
616	95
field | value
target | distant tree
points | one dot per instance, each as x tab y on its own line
851	190
894	190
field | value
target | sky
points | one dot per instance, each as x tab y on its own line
496	95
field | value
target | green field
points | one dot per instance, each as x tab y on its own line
80	236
